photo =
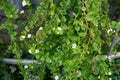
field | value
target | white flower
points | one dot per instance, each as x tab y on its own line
50	60
114	31
29	35
109	73
99	77
110	30
59	28
36	50
26	66
56	77
41	28
21	12
29	51
110	78
79	73
24	3
74	45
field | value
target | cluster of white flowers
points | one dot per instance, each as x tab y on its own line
24	3
56	77
110	30
74	45
36	51
79	73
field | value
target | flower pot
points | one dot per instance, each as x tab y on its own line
17	3
35	2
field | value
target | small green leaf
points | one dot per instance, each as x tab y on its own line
83	8
100	58
22	37
77	28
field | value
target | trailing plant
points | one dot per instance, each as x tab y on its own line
11	15
72	38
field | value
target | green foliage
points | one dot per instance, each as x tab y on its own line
68	43
115	71
4	75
